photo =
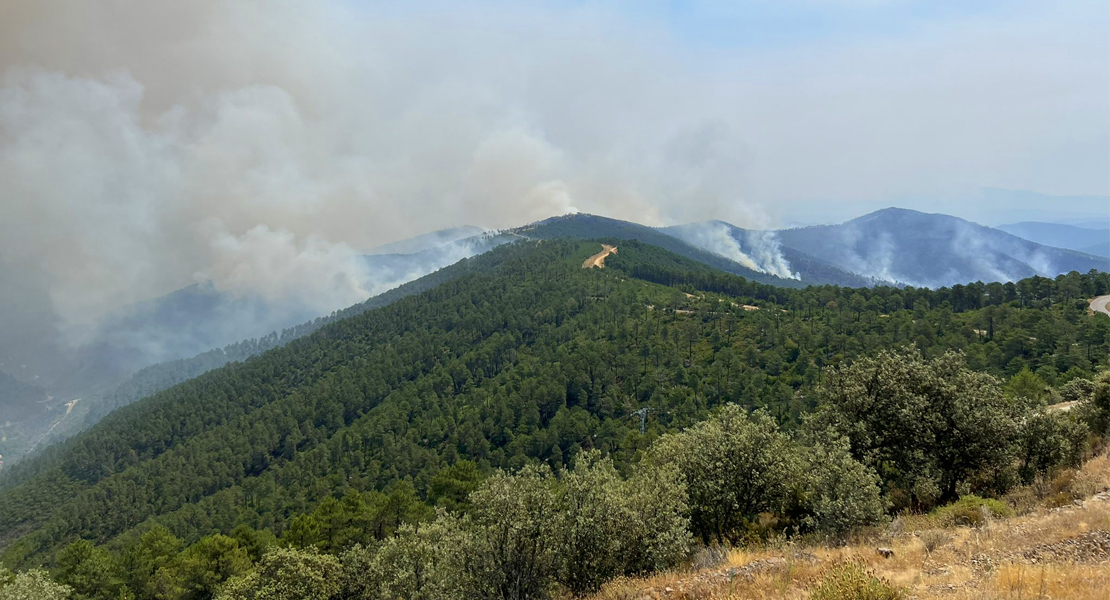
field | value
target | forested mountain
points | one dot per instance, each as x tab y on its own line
585	226
932	250
185	333
156	378
517	357
150	346
765	248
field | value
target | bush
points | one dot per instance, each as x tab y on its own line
934	538
972	511
609	526
851	581
839	493
1094	402
709	557
512	536
655	533
1050	439
287	574
736	466
31	585
420	562
925	425
591	514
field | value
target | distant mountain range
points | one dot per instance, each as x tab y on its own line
933	250
887	247
723	255
199	327
1087	238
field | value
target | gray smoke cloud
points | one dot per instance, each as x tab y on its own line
759	250
263	146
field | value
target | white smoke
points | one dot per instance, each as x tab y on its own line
145	146
312	272
757	250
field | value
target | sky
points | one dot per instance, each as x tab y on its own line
262	145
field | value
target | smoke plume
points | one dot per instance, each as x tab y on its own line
262	147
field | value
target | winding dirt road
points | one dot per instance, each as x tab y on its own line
598	260
1100	304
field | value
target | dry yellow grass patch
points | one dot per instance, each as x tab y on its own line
1034	556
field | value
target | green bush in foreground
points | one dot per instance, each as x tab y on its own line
971	510
287	574
31	585
850	581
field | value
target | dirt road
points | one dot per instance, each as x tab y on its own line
1100	305
598	260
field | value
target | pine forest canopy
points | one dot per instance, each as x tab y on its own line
521	358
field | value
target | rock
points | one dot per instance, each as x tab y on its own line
885	552
1092	547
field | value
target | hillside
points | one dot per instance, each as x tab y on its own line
155	378
584	226
145	348
764	248
1082	239
1050	551
525	357
933	250
187	332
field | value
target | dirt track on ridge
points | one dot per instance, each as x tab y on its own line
1100	304
598	260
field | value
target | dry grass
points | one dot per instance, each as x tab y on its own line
962	563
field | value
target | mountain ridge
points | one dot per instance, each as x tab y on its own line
933	249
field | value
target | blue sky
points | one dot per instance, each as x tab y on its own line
767	23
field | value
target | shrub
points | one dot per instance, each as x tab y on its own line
736	466
839	493
972	511
287	574
591	513
420	562
925	425
934	538
512	535
655	532
1094	402
31	585
851	581
1049	439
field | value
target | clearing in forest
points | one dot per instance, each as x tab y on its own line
598	260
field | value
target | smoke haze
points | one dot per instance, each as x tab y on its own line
263	146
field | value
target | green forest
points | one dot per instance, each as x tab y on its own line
517	425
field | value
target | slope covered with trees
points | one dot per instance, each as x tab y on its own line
353	433
155	378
